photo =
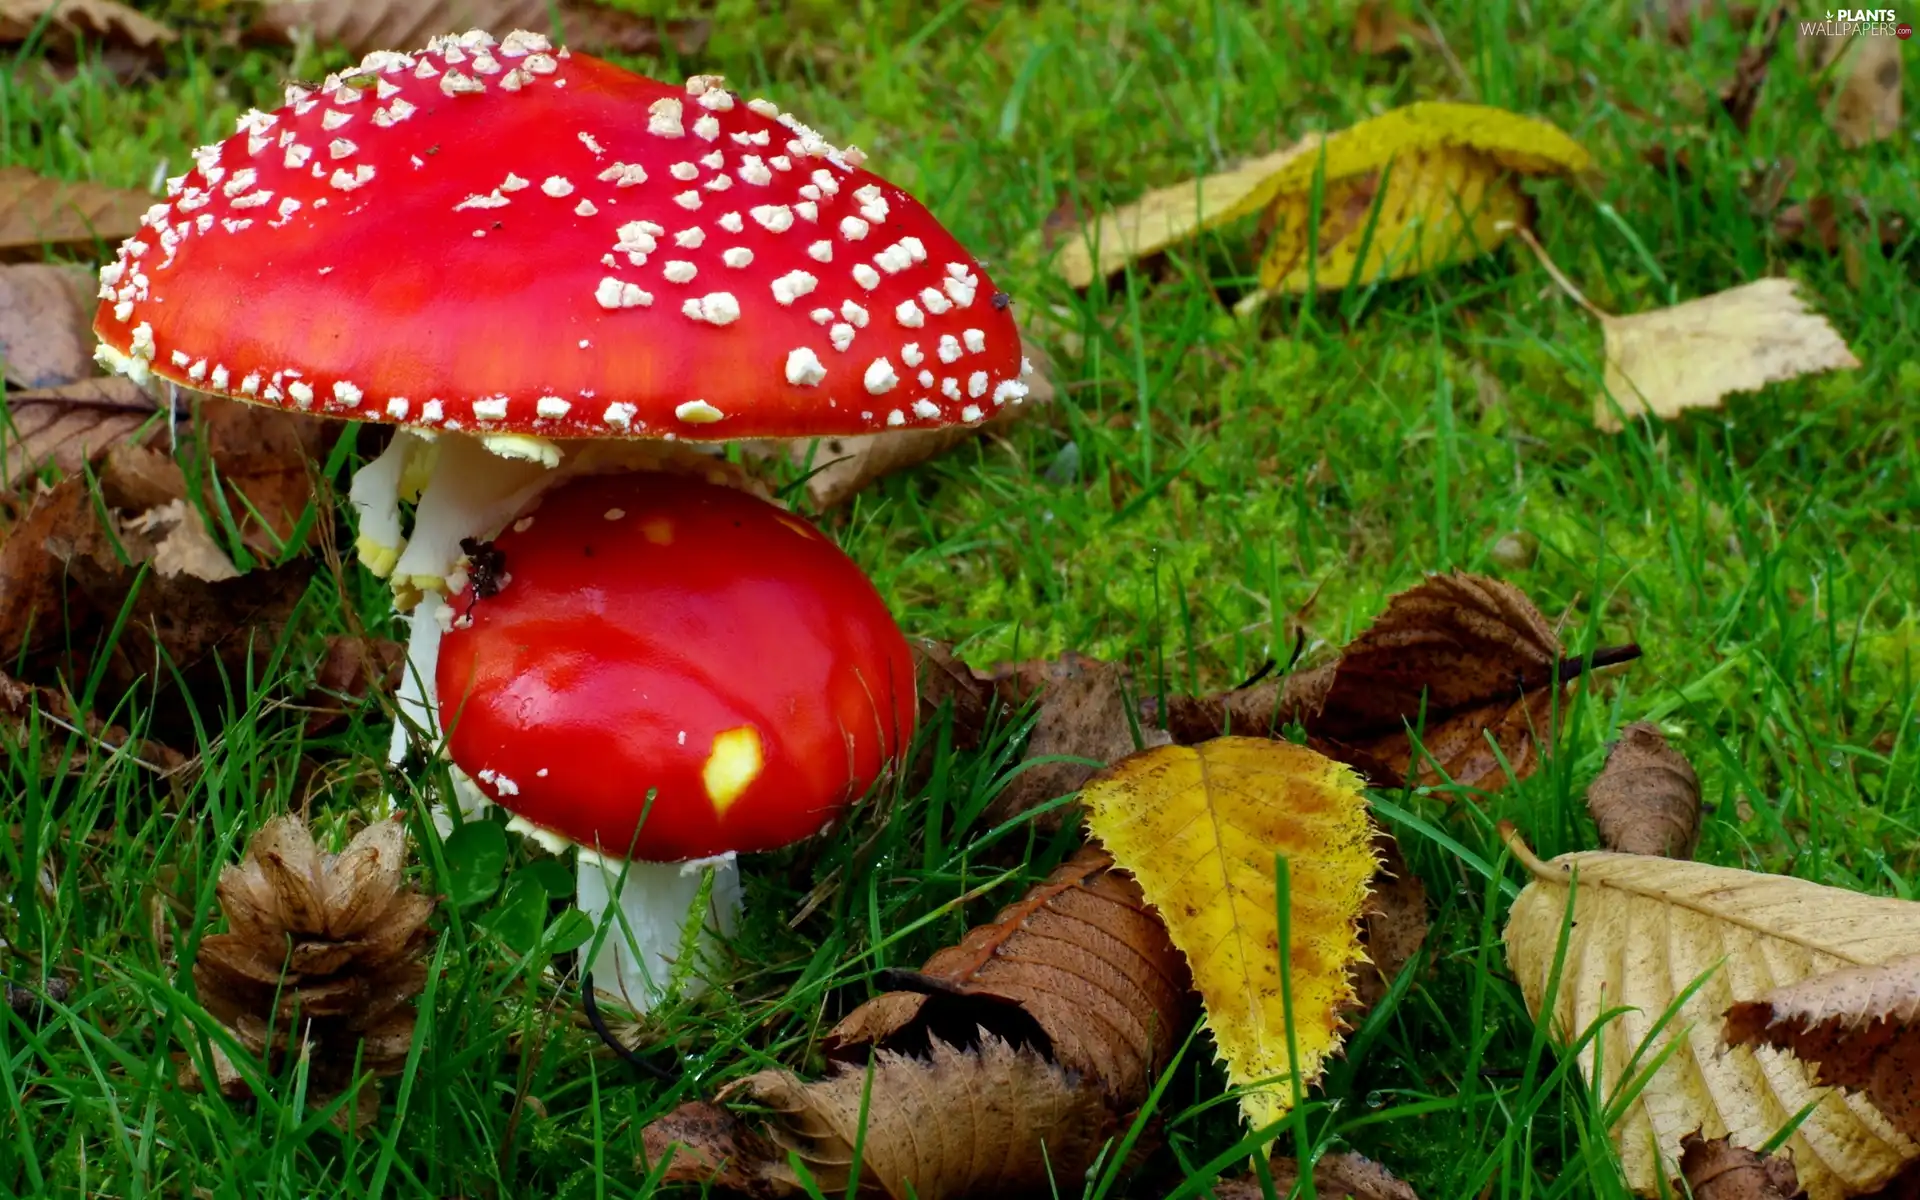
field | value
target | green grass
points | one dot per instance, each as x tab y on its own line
1204	488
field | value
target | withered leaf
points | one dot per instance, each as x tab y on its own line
1379	29
36	211
21	704
943	679
1393	925
363	25
1084	713
267	458
1469	654
1647	798
1720	1170
68	23
181	543
46	311
1335	1176
1860	1026
989	1121
350	669
839	467
1081	956
59	527
72	424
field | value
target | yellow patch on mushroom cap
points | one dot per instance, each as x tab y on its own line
798	526
658	530
733	765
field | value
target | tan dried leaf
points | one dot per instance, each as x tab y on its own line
1720	1170
1084	714
46	317
1647	798
36	211
268	460
73	424
992	1121
1866	107
1694	354
1335	1177
1081	956
1859	1026
363	25
181	543
1643	930
67	23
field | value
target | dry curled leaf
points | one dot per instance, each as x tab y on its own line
46	313
73	424
1080	961
1647	798
1456	656
1694	354
36	211
1335	1177
1860	1027
1379	29
1865	107
360	26
989	1121
350	669
1720	1170
65	24
1643	930
1200	828
181	543
1084	714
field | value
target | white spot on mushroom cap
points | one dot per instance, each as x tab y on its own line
976	340
908	313
680	271
737	257
614	294
880	377
557	186
551	408
926	409
717	308
821	251
793	285
804	368
698	412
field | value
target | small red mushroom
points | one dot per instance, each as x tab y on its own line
669	672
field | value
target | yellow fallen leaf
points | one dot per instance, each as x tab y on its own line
1172	214
1200	827
1643	930
1694	354
1447	170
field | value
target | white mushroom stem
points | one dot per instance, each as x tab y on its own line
471	492
375	495
660	915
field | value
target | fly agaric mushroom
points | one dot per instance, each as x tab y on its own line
506	250
669	673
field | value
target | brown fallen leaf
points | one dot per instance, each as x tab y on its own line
74	424
1860	1026
942	679
1720	1170
1084	713
1741	94
1647	798
21	705
1335	1177
1469	652
36	211
59	525
268	460
46	314
839	467
1080	967
990	1121
360	26
1393	926
64	25
1378	30
181	543
351	669
1865	107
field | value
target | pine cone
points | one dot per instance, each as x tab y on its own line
324	955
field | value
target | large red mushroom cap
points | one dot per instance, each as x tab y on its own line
502	238
654	634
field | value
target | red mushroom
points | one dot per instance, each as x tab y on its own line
505	249
668	673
